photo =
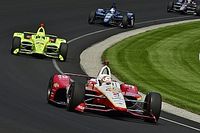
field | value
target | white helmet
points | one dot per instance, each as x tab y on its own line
105	78
112	10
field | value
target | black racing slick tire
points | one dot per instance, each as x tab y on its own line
91	18
170	6
49	90
16	42
75	96
198	10
152	106
125	21
63	51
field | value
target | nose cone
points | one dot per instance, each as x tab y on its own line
106	20
107	17
39	48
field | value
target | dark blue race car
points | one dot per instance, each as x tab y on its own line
113	17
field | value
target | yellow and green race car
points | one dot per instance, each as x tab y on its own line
39	44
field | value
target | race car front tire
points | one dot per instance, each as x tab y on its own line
91	18
49	90
125	21
16	42
75	96
63	51
152	106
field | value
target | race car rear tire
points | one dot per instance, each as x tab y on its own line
49	90
125	21
16	42
198	10
64	50
91	18
152	106
75	96
170	6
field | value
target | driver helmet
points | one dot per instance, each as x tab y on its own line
112	10
105	78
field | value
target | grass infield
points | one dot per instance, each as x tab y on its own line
165	60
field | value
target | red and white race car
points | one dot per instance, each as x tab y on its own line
103	94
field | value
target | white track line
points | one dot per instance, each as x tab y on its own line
56	66
88	34
181	124
99	31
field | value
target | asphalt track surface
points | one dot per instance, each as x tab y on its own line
23	105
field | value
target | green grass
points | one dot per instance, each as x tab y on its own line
164	60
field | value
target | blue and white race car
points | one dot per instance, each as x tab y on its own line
184	7
112	16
